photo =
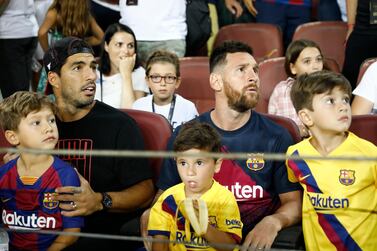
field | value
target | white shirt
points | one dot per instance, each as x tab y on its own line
112	86
367	88
184	110
18	20
155	20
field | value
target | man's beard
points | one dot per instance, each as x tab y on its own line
239	101
78	103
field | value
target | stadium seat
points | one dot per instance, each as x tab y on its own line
195	83
363	68
156	132
288	124
329	35
272	71
265	39
365	127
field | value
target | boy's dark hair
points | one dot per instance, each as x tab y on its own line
218	55
293	52
197	135
162	56
308	85
104	62
19	105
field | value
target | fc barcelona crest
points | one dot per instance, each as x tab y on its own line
48	202
255	162
347	177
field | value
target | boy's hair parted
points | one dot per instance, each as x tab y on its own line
293	52
162	56
197	135
307	86
19	105
218	55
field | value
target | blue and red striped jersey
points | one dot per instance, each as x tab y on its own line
30	207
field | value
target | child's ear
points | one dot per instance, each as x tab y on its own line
12	137
218	165
216	81
178	83
305	117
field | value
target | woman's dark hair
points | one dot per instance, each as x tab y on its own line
104	62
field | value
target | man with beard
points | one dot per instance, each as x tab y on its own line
268	202
113	190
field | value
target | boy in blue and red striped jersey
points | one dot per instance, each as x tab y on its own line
28	182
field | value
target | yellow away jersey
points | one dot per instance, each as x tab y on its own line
165	220
340	196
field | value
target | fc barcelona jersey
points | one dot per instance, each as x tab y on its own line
340	196
31	207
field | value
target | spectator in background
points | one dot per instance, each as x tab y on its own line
121	78
362	31
365	101
18	41
163	78
302	56
106	12
158	25
283	13
66	18
328	10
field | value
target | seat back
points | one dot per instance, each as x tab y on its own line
195	83
265	39
329	35
365	127
363	68
288	124
156	132
271	72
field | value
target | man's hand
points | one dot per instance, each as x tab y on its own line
263	234
250	7
79	201
234	7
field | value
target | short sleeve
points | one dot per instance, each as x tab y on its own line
159	221
367	88
288	162
138	80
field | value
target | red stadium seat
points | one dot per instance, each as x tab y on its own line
264	39
287	123
365	127
272	71
364	66
329	35
195	83
156	132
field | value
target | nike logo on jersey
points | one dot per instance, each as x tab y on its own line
301	178
3	200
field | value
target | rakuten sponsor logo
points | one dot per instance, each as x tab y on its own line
245	192
30	221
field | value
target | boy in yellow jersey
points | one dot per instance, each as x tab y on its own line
169	218
340	196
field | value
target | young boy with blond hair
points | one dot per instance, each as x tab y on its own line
182	212
340	196
28	182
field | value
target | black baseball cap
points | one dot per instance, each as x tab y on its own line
56	55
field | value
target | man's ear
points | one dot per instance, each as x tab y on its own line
12	137
53	78
216	81
218	165
305	117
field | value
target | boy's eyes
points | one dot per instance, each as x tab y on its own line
35	122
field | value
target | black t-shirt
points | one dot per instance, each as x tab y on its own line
105	127
363	25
